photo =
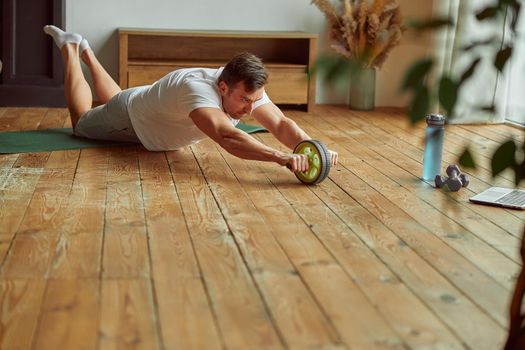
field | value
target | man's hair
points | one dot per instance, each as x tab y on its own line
245	67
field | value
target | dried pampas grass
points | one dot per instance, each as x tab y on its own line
363	30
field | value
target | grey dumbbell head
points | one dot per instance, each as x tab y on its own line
451	169
453	181
464	179
454	184
439	181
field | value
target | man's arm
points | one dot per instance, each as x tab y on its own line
214	123
282	127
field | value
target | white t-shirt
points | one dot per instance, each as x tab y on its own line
160	112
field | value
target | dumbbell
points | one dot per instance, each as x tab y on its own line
318	160
455	179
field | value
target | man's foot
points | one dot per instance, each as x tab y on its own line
60	37
83	46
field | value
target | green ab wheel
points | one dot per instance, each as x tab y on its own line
318	159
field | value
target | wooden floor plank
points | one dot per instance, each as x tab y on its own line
16	191
22	119
125	242
5	243
16	119
397	124
509	129
125	248
461	214
7	160
493	133
415	136
419	328
437	288
46	210
354	334
428	247
266	260
489	143
126	315
79	247
388	147
407	141
456	139
479	252
20	303
36	237
49	118
69	316
225	275
183	306
54	118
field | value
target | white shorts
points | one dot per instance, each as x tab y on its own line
109	121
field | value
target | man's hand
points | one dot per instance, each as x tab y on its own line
295	162
333	158
299	162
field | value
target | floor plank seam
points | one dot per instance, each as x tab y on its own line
300	276
240	252
152	289
199	263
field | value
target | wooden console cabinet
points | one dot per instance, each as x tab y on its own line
146	55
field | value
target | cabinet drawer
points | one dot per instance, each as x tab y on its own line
138	75
286	85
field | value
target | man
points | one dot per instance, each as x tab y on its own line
180	109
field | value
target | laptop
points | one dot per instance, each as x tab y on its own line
501	197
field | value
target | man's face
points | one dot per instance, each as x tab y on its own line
238	102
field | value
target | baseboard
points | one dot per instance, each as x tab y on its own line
515	125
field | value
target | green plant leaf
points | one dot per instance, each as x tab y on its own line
470	70
506	2
504	157
488	12
519	173
416	74
516	7
489	41
466	159
502	57
420	104
448	94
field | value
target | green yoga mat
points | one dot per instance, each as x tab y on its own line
61	139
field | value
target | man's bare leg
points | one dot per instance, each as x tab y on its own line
78	93
105	86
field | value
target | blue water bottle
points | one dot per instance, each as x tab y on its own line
434	136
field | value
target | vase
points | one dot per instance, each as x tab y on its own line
363	89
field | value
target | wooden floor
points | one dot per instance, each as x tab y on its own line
120	248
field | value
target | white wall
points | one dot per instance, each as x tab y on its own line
97	21
412	47
515	103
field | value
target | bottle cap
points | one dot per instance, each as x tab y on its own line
436	119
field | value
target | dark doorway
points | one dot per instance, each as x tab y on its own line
32	67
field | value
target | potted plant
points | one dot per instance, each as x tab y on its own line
362	32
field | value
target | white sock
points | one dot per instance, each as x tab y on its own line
62	37
83	45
